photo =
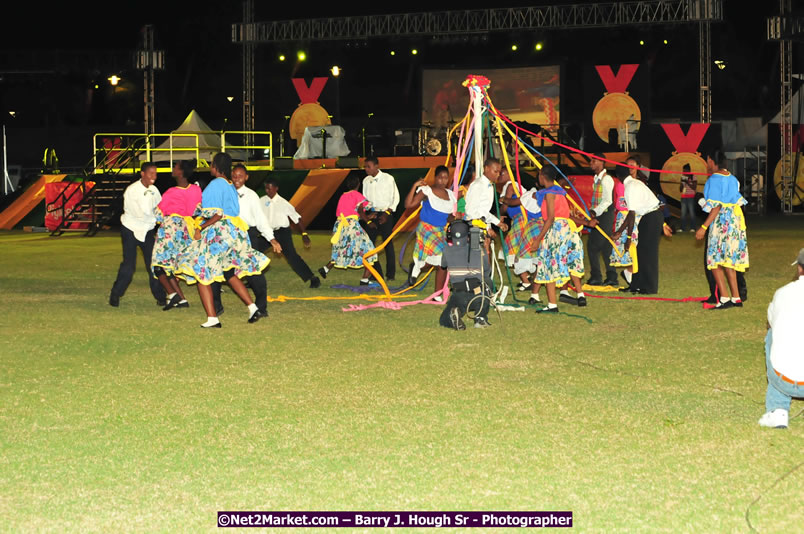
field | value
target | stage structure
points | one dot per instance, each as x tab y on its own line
474	21
785	28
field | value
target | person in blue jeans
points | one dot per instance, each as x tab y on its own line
688	188
784	353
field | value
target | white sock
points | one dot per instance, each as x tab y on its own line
580	295
211	321
535	296
171	296
182	301
326	269
438	298
550	305
565	292
251	309
627	275
724	299
735	299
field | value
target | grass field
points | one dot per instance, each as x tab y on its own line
135	419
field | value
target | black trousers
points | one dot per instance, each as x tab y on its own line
742	288
376	229
650	233
462	299
129	264
285	239
599	245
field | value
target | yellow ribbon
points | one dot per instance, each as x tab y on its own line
192	224
238	222
634	264
343	220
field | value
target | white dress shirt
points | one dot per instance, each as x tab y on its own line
139	209
251	212
638	197
528	201
608	190
784	317
480	199
381	191
278	211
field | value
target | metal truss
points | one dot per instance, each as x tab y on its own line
604	14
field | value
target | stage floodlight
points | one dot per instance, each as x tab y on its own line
301	56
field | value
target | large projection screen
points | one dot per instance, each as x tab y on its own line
529	94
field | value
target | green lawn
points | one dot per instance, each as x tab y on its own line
135	419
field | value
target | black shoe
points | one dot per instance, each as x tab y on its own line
711	300
365	282
390	278
581	301
625	289
256	316
481	322
183	304
743	294
547	310
594	282
322	272
738	304
532	301
114	300
723	305
174	302
612	283
455	319
567	299
216	325
162	303
521	286
634	289
315	282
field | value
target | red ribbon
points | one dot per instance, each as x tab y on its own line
309	95
689	142
616	83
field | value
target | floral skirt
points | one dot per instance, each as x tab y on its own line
727	245
575	254
625	260
352	244
430	243
173	239
552	257
223	247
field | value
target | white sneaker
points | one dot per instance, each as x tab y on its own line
774	419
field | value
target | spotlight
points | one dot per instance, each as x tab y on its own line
513	47
720	64
281	57
301	55
414	51
229	98
539	46
641	42
665	41
336	71
393	52
113	79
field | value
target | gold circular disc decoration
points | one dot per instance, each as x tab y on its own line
798	181
612	111
311	114
671	181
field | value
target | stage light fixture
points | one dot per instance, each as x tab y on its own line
113	79
414	51
336	71
301	56
96	86
665	41
539	46
393	52
229	98
281	57
13	114
514	47
641	42
720	64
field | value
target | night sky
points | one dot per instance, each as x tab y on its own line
204	66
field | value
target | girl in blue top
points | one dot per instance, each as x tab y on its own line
727	247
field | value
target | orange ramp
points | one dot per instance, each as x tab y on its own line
316	190
28	201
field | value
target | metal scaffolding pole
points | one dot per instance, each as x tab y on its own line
149	60
249	51
786	122
705	71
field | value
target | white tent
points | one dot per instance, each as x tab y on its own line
209	142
